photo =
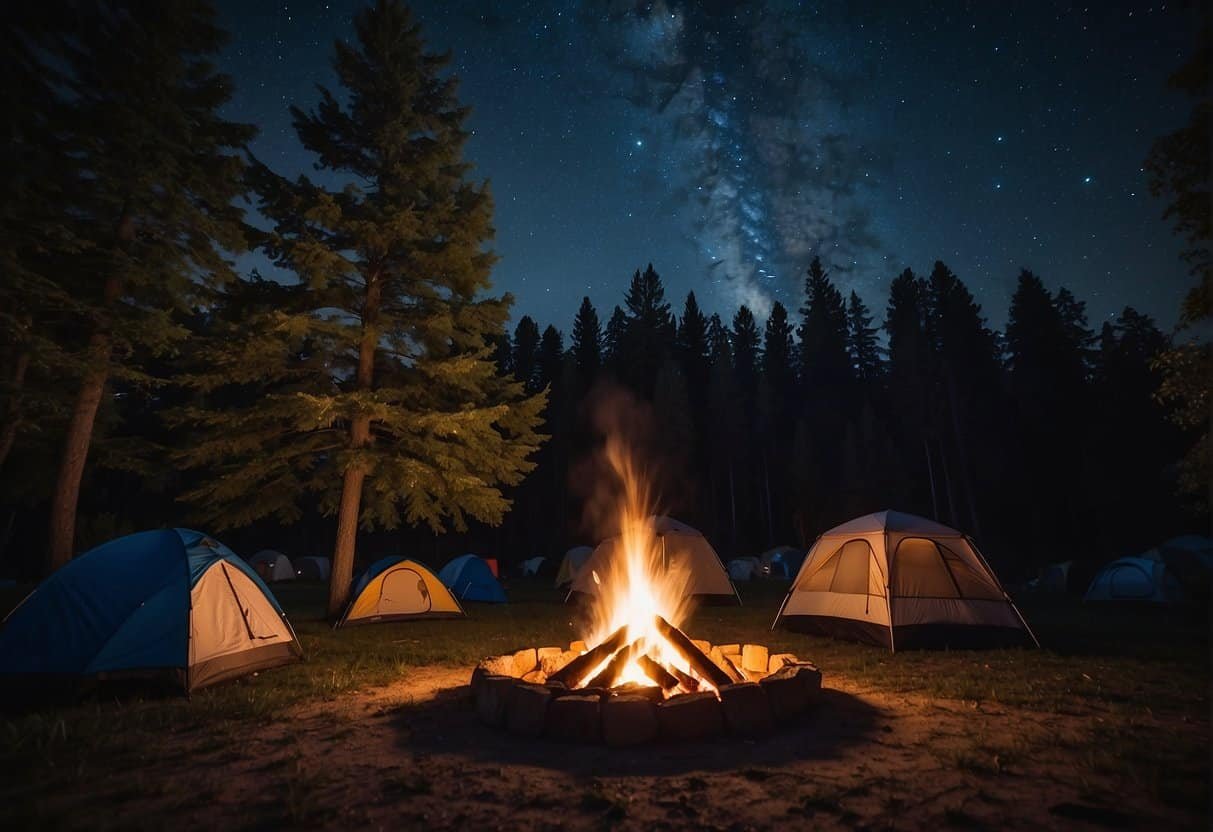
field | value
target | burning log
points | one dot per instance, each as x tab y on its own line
574	673
693	656
688	682
614	669
653	669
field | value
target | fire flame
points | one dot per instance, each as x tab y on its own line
640	581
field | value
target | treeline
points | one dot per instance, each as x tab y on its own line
1045	441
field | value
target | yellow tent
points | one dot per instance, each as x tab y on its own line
396	589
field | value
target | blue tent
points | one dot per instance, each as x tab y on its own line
170	601
470	579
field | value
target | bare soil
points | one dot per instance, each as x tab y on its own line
412	755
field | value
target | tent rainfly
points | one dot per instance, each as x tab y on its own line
682	547
744	569
396	589
531	566
900	580
469	578
167	602
573	560
1135	579
273	566
313	568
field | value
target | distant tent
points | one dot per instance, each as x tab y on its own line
573	560
1055	577
901	581
532	566
470	579
170	601
273	566
396	589
313	568
782	562
744	569
682	547
1135	579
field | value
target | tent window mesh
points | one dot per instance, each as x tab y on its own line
820	579
919	571
851	574
972	584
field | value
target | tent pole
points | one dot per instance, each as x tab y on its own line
1007	597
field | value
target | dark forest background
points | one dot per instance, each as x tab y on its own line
1057	438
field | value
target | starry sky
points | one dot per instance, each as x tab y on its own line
730	142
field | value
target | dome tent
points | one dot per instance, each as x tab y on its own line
313	568
573	560
170	601
469	578
682	546
900	580
782	562
396	589
1135	579
744	569
273	566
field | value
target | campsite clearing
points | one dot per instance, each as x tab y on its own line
1106	727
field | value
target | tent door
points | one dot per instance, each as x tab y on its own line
403	592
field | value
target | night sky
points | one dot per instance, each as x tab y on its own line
729	142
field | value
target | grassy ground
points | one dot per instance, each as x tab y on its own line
1140	677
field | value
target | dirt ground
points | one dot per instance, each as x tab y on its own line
412	755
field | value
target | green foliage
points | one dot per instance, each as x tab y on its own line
381	360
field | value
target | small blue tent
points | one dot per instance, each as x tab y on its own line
470	579
170	601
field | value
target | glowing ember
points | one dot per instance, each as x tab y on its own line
639	583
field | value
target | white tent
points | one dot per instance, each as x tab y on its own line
531	566
573	560
1135	579
313	568
744	569
273	566
682	547
903	581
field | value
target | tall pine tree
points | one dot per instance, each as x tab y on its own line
861	342
409	421
825	365
587	344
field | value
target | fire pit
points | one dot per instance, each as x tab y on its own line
637	676
593	695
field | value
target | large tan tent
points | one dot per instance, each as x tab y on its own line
396	589
902	581
682	548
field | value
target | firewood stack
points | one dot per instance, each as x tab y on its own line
576	694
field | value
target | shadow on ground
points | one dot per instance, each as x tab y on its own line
447	725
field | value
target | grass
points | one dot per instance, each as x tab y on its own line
1134	666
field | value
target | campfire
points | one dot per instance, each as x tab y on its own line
637	675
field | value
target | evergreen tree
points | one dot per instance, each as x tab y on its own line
824	362
692	340
549	359
525	357
587	344
777	351
613	340
861	342
650	329
745	351
408	420
149	174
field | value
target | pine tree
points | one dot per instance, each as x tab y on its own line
149	174
861	342
745	351
587	344
692	342
525	356
613	340
650	329
549	359
824	362
407	421
777	350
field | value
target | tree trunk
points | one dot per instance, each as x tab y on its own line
79	435
354	476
